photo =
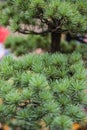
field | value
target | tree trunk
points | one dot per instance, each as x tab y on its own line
55	41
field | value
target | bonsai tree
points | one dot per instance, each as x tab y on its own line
42	91
45	16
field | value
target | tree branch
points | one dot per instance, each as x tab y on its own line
33	32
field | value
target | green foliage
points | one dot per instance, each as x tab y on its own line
74	46
20	45
42	88
58	14
45	16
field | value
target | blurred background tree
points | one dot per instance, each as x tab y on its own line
41	17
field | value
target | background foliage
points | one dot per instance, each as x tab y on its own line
20	45
47	15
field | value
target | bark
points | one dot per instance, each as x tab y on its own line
55	41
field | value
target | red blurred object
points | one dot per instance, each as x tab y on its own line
4	33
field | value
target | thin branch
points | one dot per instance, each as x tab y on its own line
33	32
